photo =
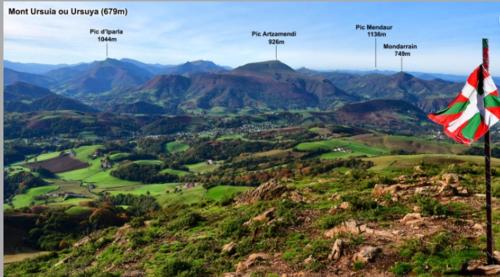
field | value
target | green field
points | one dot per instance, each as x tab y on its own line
336	155
25	199
13	169
202	167
410	144
70	202
148	162
83	152
175	172
76	210
70	186
230	137
405	161
45	156
320	131
166	195
83	173
153	189
94	174
119	156
222	192
176	147
57	185
218	110
350	147
186	196
103	180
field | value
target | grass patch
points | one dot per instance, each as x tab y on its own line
119	156
443	253
230	137
175	172
202	167
344	148
77	210
431	206
185	196
103	180
409	144
299	247
152	189
148	162
221	193
186	221
93	173
44	156
330	221
83	153
320	131
408	161
25	199
69	202
83	173
176	147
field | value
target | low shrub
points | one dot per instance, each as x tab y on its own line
186	221
178	267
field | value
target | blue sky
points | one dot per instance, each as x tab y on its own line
448	35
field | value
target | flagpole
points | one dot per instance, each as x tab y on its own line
487	165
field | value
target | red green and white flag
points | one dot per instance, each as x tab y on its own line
473	112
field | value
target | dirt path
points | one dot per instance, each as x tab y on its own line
12	258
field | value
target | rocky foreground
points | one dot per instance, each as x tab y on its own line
345	223
380	242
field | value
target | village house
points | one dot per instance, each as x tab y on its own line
106	163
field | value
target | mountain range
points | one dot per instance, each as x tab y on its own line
130	86
11	76
34	68
98	77
24	97
426	94
261	86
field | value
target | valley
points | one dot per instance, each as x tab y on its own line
121	168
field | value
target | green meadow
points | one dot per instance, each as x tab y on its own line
148	162
349	148
408	161
202	167
44	156
176	147
152	189
119	156
25	199
219	193
175	172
